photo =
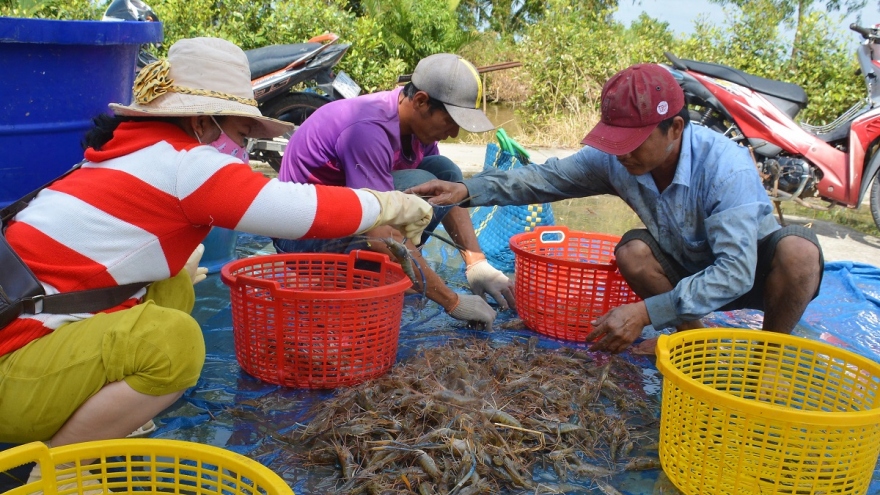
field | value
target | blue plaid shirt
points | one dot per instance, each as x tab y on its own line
709	219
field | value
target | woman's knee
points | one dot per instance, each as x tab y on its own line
168	352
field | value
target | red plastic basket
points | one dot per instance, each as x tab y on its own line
565	280
310	320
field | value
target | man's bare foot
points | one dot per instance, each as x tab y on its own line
646	347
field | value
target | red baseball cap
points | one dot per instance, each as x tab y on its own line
634	101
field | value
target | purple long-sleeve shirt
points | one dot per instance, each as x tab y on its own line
354	143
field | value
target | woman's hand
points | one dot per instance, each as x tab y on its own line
196	273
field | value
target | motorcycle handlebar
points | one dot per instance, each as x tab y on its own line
865	32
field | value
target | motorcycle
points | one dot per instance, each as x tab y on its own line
133	10
835	163
275	71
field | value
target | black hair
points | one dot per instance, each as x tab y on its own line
105	124
410	90
685	115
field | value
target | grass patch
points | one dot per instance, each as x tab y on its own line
604	214
565	130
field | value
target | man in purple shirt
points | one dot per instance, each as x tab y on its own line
387	141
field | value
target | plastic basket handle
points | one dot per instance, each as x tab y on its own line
509	145
363	254
27	453
546	230
384	261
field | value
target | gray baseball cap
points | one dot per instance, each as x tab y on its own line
448	78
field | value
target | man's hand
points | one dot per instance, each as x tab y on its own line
617	329
440	192
486	279
474	310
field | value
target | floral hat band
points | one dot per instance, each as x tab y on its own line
154	81
201	76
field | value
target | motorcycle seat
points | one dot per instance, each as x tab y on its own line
786	91
274	57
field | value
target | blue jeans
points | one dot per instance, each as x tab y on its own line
432	167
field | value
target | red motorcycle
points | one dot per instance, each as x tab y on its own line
835	163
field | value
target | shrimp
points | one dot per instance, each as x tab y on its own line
346	461
402	256
498	416
428	464
607	489
642	464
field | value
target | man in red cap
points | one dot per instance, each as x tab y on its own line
710	242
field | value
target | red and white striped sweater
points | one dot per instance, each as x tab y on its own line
138	208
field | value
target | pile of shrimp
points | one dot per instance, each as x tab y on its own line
474	417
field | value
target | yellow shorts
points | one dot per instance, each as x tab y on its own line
156	347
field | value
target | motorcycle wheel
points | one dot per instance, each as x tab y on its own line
875	200
294	108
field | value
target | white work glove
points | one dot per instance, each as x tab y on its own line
196	273
486	279
407	213
473	309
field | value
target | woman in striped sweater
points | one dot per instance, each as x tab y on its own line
157	176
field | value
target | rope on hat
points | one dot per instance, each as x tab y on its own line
153	81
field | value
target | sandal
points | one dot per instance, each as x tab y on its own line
146	429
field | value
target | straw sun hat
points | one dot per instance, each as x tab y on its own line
201	76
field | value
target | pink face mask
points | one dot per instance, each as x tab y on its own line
228	146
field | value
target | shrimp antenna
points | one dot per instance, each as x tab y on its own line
445	239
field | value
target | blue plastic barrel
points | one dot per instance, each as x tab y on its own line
57	76
219	248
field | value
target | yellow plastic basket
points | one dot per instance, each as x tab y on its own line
142	466
747	411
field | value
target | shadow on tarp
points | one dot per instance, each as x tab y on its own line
233	410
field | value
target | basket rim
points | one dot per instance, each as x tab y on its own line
230	279
518	251
101	449
765	409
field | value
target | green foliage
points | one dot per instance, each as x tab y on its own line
385	42
368	60
568	47
414	29
567	55
507	18
575	49
251	24
750	42
77	10
825	68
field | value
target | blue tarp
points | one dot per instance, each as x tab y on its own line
230	409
